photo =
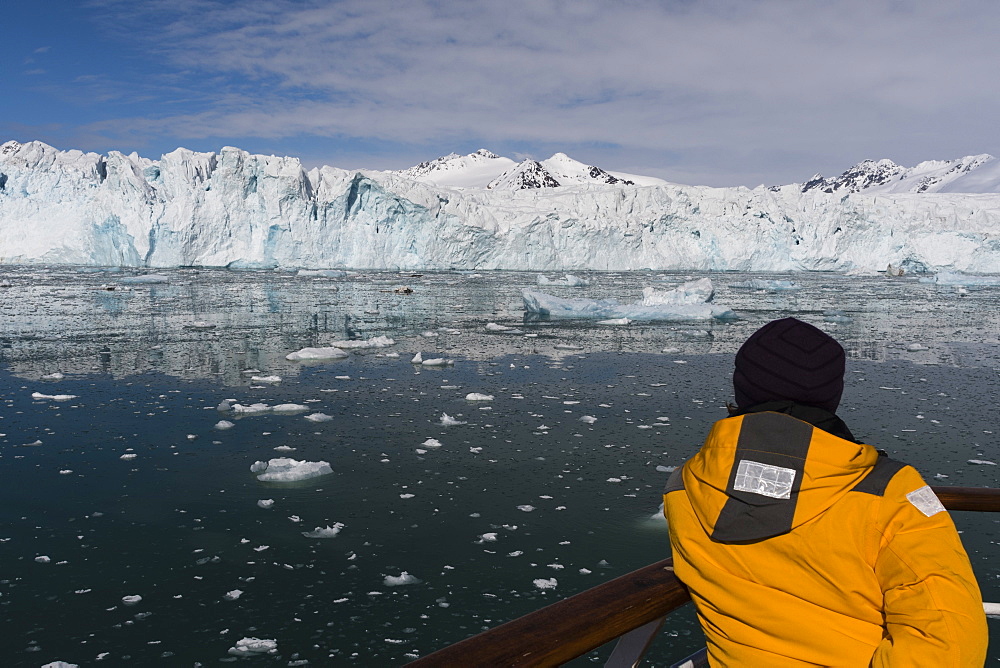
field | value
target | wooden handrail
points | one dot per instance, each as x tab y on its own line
576	625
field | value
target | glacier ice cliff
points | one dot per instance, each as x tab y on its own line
235	209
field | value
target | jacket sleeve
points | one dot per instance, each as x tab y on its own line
932	604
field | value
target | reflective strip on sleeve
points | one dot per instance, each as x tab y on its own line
925	500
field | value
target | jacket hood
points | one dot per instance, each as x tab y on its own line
764	473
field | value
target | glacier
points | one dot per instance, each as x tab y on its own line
243	211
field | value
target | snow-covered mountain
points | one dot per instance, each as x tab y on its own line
971	174
484	169
235	209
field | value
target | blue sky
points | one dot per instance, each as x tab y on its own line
714	92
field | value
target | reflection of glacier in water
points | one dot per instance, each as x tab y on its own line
217	323
132	527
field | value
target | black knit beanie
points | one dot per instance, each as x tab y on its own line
792	360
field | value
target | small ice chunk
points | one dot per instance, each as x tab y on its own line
449	421
502	329
233	595
915	346
526	508
318	417
431	443
289	409
330	353
589	419
63	664
417	359
258	466
403	578
488	537
254	647
225	405
128	456
615	321
43	559
267	380
374	342
991	609
53	376
476	396
284	469
985	462
438	361
131	600
545	583
222	425
265	503
53	397
324	532
666	469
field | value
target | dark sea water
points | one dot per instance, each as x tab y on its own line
130	489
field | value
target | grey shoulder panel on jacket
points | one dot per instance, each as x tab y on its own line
675	483
878	478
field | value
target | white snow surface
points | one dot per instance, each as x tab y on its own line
235	209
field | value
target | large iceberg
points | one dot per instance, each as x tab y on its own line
688	301
234	209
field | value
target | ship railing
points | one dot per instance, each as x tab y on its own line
630	608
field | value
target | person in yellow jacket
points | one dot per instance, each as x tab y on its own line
802	546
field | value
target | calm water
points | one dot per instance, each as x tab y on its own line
523	491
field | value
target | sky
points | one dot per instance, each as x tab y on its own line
700	92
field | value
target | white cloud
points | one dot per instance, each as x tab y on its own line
727	84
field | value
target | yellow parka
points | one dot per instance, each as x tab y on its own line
802	548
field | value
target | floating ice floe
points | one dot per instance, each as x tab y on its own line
476	396
224	424
307	354
264	503
284	469
233	595
569	280
982	462
991	609
567	346
324	532
589	419
689	301
43	559
374	342
53	376
615	321
449	421
956	278
545	583
254	647
403	578
913	347
267	380
502	329
431	443
289	409
318	417
53	397
438	361
61	664
131	600
766	285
